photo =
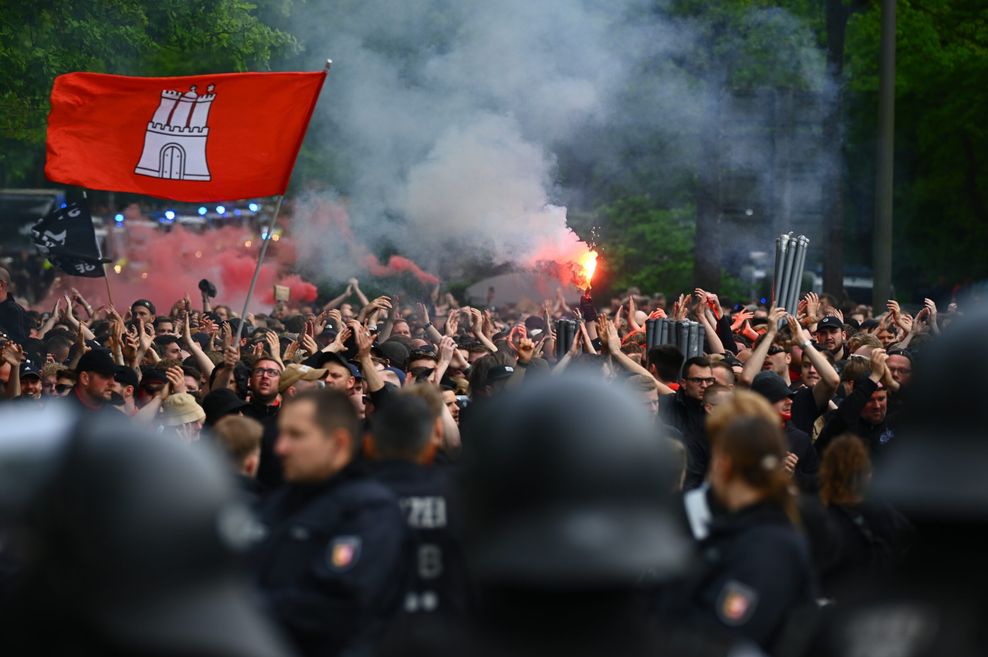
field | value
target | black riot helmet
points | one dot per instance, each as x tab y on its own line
935	466
122	541
567	484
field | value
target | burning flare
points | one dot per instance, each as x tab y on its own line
588	265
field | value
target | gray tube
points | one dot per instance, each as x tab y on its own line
779	257
695	348
702	337
649	333
663	332
786	273
796	281
800	268
683	336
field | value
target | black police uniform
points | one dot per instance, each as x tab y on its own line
330	566
269	470
437	577
758	573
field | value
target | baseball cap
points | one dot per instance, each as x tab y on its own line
395	352
146	304
220	403
499	373
830	322
295	373
97	360
29	369
771	386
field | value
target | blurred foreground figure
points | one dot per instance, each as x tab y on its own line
115	541
567	496
330	566
935	604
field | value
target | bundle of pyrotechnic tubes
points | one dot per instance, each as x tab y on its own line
687	336
790	258
567	331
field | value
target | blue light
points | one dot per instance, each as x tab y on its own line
763	301
220	209
62	205
118	218
253	207
202	210
264	234
236	212
170	215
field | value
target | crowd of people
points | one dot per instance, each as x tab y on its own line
427	477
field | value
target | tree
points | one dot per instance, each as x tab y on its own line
941	213
43	39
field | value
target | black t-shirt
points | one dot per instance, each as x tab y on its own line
805	411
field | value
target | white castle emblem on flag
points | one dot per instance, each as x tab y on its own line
175	141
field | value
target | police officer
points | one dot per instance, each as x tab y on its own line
330	565
568	528
404	437
118	541
935	604
759	568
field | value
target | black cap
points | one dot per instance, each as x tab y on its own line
29	369
771	386
220	403
97	360
395	352
830	322
499	373
207	288
146	304
127	376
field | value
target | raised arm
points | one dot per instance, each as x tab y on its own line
754	364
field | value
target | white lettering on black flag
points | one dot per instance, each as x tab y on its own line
67	238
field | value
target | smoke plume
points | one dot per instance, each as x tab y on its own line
446	117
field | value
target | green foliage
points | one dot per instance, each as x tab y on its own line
941	176
647	246
43	39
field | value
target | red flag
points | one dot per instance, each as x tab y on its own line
196	138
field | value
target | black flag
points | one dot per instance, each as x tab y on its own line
67	238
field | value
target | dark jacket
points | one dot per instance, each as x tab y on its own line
686	415
12	320
847	418
759	572
808	466
269	471
437	582
330	566
872	539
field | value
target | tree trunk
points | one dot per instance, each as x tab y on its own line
706	244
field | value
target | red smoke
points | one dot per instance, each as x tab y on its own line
163	267
325	217
398	265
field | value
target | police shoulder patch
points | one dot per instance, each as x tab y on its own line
343	552
736	603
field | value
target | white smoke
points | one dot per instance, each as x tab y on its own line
446	115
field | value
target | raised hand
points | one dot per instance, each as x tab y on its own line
525	350
176	379
13	354
812	307
878	364
447	347
775	315
740	318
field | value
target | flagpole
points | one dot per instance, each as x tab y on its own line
106	274
265	238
